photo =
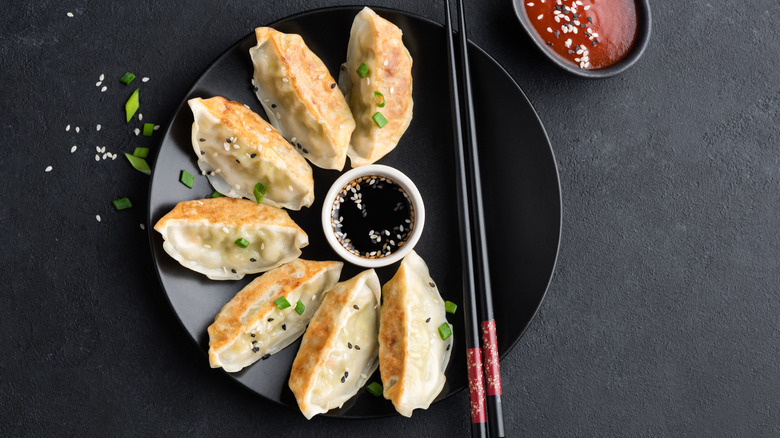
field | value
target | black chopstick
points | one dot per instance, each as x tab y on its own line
473	353
474	209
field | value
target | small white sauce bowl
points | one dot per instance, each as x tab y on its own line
378	170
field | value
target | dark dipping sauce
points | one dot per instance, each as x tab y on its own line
372	217
591	34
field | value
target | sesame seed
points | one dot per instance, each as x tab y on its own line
140	117
67	128
70	14
102	76
225	229
137	131
98	83
143	227
77	129
73	149
285	80
156	127
320	76
48	169
103	90
540	17
97	217
356	307
145	79
290	188
97	157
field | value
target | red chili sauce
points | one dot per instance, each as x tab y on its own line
591	34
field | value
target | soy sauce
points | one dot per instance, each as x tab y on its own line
372	216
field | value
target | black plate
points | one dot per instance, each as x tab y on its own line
522	198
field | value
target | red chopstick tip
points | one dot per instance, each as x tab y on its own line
476	386
490	354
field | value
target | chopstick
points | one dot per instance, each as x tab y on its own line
471	212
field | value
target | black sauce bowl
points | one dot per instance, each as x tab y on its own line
644	25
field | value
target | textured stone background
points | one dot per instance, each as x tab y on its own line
662	317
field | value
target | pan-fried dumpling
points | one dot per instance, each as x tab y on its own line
300	98
206	236
238	149
339	349
382	92
412	354
254	324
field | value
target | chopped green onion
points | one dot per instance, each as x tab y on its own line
282	303
299	308
216	194
259	192
131	106
127	78
362	71
141	152
149	129
243	243
379	119
122	203
445	331
450	307
375	388
139	164
187	179
379	99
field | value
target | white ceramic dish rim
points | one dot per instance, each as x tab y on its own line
382	171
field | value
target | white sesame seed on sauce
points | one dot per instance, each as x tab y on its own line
103	90
143	227
70	14
97	217
67	128
137	131
549	29
102	76
98	127
73	149
529	4
48	169
140	117
97	157
156	127
540	16
98	83
144	79
77	129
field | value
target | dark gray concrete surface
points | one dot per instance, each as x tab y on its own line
662	317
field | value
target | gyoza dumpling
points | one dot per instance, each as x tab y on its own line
300	97
206	236
380	96
339	349
239	149
412	353
256	324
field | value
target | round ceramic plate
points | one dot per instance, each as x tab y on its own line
522	194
